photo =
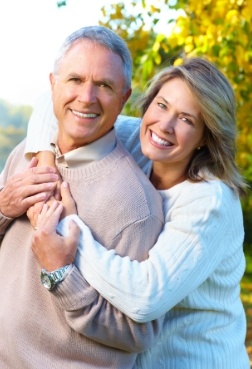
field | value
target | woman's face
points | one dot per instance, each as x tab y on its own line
172	127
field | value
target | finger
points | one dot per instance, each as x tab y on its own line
33	213
57	192
30	213
49	217
54	217
27	202
42	176
35	189
65	192
41	169
37	208
74	231
67	198
44	210
33	163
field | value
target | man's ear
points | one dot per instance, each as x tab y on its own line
126	96
52	80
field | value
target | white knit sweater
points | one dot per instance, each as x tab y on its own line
192	274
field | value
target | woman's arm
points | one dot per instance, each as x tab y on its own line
204	222
42	126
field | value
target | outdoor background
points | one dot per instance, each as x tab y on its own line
159	33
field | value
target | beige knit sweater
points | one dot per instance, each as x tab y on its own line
74	327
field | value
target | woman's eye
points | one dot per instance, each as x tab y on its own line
186	120
161	105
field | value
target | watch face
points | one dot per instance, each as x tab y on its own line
46	281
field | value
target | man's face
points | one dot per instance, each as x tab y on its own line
88	94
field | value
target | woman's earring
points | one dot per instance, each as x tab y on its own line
199	148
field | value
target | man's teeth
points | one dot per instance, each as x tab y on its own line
84	115
159	140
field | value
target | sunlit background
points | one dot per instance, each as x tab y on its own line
31	32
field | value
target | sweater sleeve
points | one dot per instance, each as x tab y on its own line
88	313
42	126
5	221
202	224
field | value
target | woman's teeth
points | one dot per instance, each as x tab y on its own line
159	140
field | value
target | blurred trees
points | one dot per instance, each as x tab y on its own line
162	32
13	126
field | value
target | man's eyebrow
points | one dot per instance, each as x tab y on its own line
107	81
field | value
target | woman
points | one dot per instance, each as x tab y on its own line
193	272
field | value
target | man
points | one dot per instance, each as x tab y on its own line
63	322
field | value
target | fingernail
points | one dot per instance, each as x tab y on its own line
65	184
50	185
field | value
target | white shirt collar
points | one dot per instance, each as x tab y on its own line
87	154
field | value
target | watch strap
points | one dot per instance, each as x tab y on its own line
55	277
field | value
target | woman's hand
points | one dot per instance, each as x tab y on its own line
69	206
44	159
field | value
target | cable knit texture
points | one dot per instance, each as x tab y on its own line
73	326
192	276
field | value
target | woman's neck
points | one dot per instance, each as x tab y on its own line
164	177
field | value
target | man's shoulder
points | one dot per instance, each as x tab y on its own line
131	186
17	156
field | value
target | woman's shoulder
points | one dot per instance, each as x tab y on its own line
211	192
127	128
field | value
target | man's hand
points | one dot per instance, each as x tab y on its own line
27	188
52	250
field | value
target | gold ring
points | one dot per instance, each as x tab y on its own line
35	228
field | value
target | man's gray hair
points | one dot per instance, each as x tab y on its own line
102	36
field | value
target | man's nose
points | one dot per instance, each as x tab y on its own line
87	93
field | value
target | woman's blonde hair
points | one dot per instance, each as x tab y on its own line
216	101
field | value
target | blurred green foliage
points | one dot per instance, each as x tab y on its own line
13	126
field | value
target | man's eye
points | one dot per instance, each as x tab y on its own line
75	79
104	85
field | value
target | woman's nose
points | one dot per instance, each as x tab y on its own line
167	124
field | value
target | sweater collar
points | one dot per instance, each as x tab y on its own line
86	154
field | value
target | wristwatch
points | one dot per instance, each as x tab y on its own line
51	279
